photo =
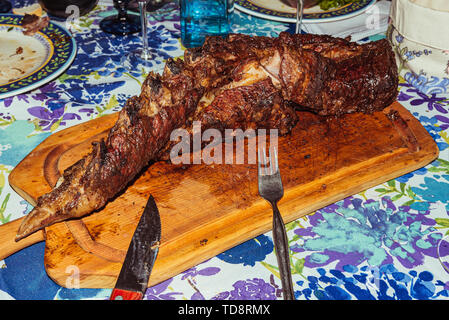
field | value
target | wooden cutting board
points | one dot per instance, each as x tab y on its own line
207	209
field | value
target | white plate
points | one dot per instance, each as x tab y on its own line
278	11
27	62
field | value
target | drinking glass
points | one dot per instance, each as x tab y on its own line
299	13
122	23
201	18
5	6
141	56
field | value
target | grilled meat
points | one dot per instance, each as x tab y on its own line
239	82
141	132
335	76
32	23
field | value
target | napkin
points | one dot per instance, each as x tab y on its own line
371	22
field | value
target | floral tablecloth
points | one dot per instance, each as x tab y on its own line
379	244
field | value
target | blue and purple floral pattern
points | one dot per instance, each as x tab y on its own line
379	244
424	67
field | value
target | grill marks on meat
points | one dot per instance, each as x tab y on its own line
241	82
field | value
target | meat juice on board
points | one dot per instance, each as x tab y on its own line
200	18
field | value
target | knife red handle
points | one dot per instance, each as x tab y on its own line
119	294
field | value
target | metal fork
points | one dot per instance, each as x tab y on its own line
271	189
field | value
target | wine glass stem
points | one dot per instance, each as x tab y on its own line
299	12
122	15
143	20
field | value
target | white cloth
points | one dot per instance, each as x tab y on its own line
373	21
420	41
440	5
419	23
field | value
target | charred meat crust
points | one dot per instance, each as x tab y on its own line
239	82
331	76
326	75
259	105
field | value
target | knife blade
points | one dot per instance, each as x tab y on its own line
140	257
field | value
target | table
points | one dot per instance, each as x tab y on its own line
400	263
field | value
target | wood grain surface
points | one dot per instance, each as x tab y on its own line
207	209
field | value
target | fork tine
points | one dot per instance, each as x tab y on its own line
270	155
265	162
262	161
276	164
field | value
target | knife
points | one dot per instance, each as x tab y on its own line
140	257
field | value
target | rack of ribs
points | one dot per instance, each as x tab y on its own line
228	83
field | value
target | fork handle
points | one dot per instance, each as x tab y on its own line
282	253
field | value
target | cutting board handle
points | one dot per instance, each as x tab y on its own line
8	232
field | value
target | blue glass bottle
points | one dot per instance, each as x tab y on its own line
200	18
